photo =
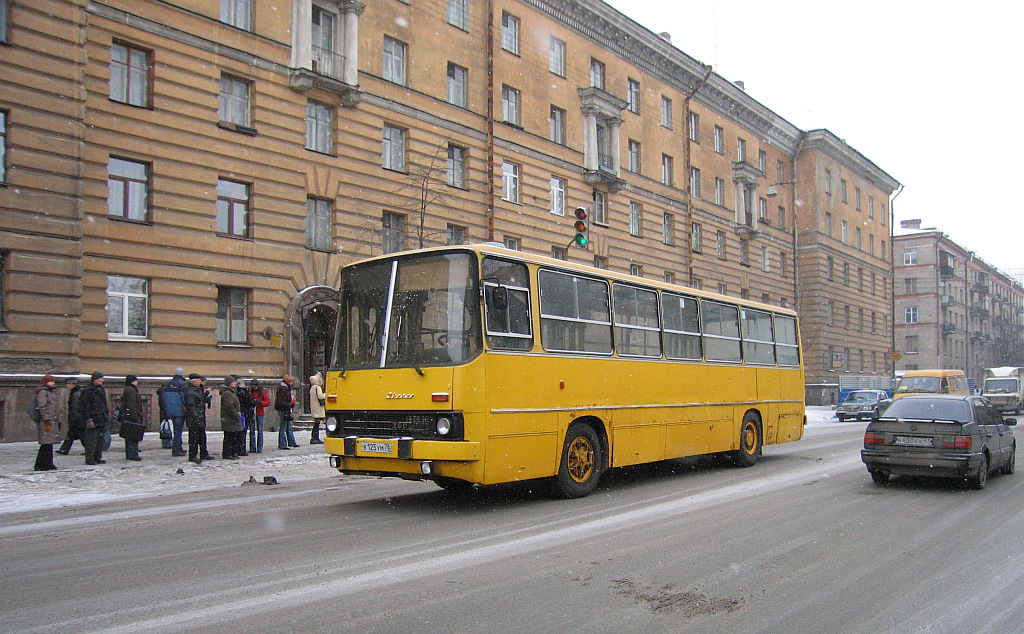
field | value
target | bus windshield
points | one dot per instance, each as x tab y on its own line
413	311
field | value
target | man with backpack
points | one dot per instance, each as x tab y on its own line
172	406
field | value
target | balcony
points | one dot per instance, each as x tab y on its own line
981	288
979	312
326	72
977	336
948	329
946	270
948	300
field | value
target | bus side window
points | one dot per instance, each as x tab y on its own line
508	320
944	389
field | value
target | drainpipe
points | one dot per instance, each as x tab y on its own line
490	121
892	276
686	167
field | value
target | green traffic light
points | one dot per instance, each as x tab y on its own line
581	240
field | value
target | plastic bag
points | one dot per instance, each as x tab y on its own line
166	429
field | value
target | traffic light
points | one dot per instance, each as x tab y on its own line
582	227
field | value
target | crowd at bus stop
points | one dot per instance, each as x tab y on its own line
183	402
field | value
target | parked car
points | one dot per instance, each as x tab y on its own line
948	435
862	404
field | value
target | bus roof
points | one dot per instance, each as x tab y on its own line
495	248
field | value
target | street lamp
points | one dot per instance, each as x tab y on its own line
772	192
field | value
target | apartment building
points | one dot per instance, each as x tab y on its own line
182	179
954	310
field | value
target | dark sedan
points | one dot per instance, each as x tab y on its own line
948	435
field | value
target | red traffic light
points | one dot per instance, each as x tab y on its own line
581	213
580	226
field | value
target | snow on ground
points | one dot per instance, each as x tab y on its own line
75	484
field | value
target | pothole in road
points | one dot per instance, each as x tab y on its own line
664	601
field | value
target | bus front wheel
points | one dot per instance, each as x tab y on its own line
750	442
580	467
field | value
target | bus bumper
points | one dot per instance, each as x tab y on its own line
401	456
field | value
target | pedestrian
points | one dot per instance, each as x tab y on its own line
196	401
49	424
261	399
75	425
247	406
95	413
230	417
316	407
172	406
284	400
133	424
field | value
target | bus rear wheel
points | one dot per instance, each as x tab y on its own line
580	467
750	442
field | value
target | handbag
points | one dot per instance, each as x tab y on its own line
166	429
106	439
132	431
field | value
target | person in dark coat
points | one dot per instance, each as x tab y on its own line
248	406
76	428
47	402
284	400
131	412
196	402
230	418
95	413
172	406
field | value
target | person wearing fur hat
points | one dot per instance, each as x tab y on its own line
131	417
316	407
49	423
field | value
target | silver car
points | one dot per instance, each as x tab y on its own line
861	404
941	435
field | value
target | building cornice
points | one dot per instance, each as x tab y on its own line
639	46
831	145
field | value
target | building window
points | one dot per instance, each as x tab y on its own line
910	285
881	250
556	56
318	224
910	344
694	127
668	230
319	127
510	33
846	273
745	252
634	156
910	257
456	235
830	266
780	171
597	74
842	189
457	85
511	243
723	289
720	245
128	189
695	182
127	307
232	208
3	20
3	267
719	192
765	260
559	253
666	170
510	182
828	224
741	150
600	213
456	166
633	96
510	105
762	161
762	210
322	32
828	182
845	232
394	61
3	145
719	140
234	101
392	230
666	112
670	277
237	13
393	154
557	196
782	218
458	14
232	315
129	75
783	267
636	217
857	238
600	262
883	215
856	199
695	237
910	315
557	121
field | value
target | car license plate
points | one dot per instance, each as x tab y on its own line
912	441
367	446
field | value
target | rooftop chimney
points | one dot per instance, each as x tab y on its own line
739	84
665	35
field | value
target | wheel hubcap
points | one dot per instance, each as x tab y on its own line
750	438
580	459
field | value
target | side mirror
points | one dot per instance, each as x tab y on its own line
499	298
1009	420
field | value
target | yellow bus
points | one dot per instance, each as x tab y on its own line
480	364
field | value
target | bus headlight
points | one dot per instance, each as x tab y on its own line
444	426
331	425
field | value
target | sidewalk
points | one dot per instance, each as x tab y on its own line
74	482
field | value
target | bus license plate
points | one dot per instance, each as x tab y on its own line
367	446
912	441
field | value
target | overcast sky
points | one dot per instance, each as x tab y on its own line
930	95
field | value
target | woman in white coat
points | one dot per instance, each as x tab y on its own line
316	407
